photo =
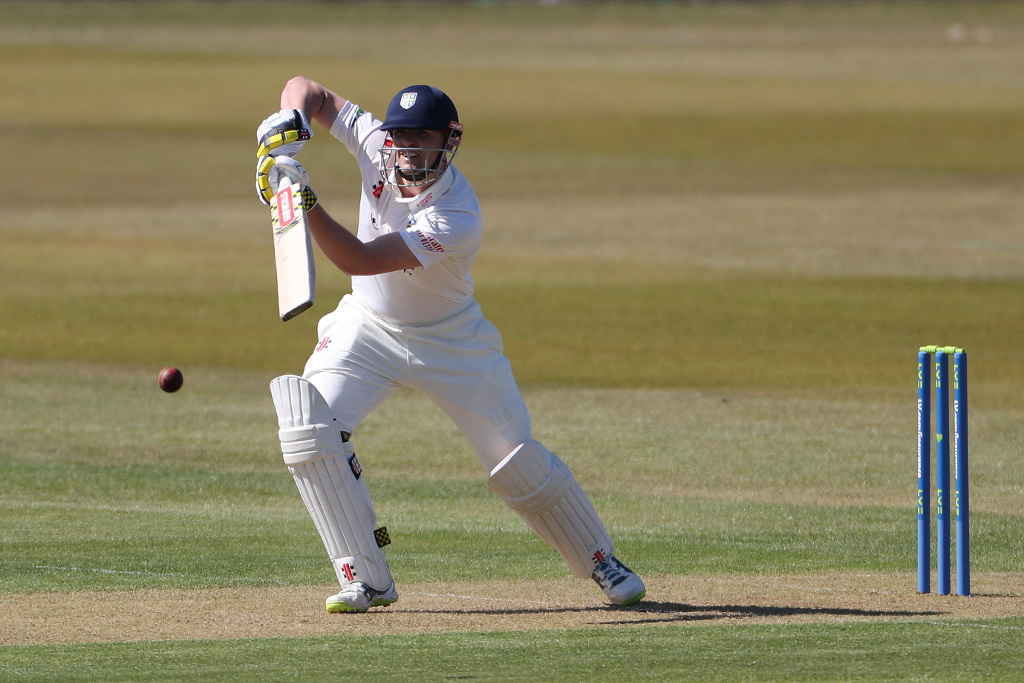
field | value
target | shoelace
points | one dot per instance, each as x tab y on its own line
607	571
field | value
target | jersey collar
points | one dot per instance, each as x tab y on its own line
433	193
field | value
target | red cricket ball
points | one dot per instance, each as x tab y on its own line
171	379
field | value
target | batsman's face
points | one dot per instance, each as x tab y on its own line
412	159
418	149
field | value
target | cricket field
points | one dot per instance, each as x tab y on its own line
716	235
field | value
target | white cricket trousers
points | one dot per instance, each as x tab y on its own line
457	361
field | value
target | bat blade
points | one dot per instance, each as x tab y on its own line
293	252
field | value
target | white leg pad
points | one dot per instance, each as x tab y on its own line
540	487
327	474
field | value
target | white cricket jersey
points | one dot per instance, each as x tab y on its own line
442	227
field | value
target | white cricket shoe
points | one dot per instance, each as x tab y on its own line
618	582
359	597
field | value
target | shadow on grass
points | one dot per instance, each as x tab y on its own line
676	611
650	612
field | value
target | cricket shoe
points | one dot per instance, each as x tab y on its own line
618	582
359	597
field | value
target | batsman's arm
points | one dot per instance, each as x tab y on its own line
319	103
384	254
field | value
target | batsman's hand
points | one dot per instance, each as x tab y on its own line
271	171
283	133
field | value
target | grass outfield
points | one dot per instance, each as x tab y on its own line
716	236
793	652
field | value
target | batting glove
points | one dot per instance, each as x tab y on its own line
270	171
283	133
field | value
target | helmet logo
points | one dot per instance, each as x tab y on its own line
408	100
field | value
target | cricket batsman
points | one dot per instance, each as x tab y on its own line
410	320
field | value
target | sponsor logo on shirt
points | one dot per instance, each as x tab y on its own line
429	243
425	200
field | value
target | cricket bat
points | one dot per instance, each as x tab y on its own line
293	251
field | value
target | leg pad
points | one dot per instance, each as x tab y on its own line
540	487
329	478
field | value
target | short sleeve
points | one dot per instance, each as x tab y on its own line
431	240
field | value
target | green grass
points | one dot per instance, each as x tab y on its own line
849	651
716	235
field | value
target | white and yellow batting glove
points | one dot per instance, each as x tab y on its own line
271	171
283	133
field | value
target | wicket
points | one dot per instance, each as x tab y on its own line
924	442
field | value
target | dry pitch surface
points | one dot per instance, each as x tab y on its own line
297	612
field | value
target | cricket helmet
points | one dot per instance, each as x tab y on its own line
420	107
